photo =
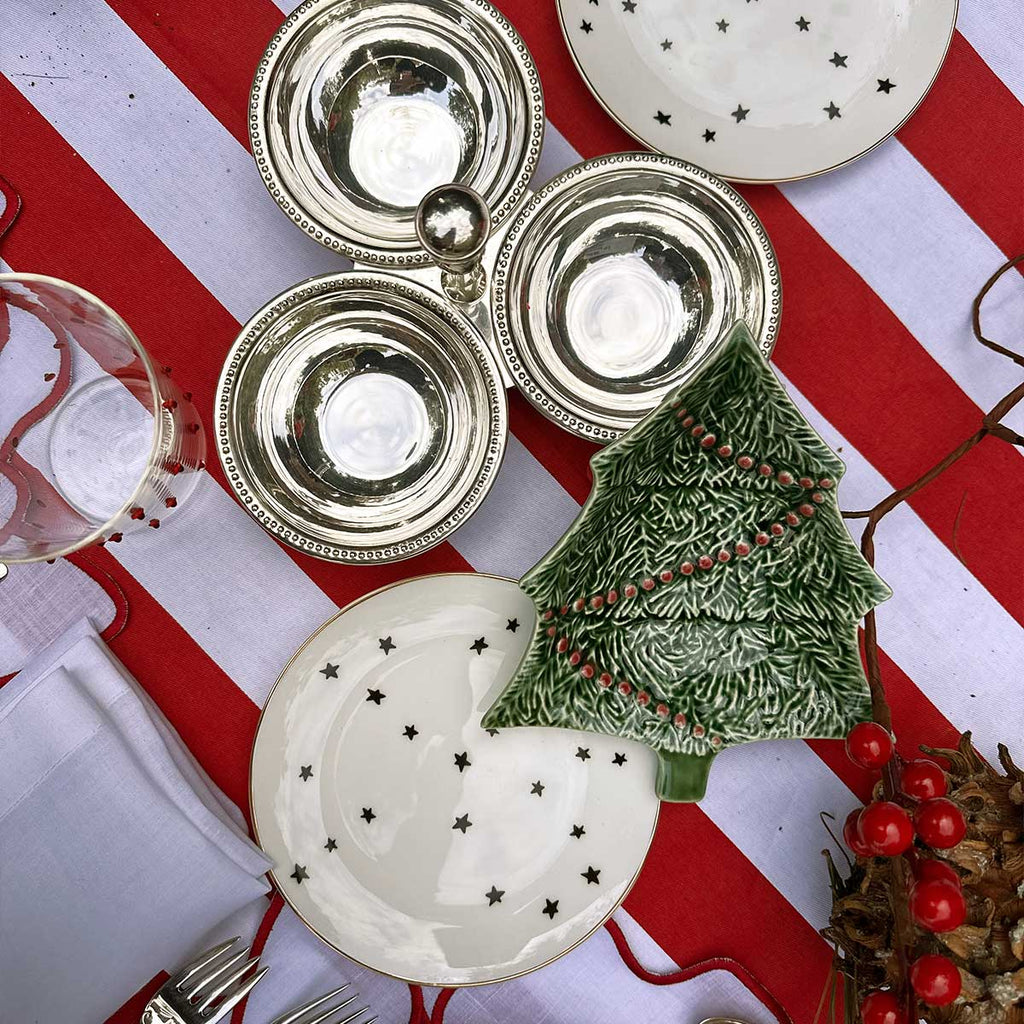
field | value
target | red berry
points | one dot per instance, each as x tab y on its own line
937	905
935	979
881	1008
851	834
939	823
923	779
869	745
936	870
885	828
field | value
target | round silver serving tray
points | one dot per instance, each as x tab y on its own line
360	107
618	279
360	417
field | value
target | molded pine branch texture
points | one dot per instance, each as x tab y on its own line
708	594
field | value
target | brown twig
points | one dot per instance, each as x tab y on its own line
903	928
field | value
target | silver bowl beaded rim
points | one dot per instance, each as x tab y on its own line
475	21
388	295
548	383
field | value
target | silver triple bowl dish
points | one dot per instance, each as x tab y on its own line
361	416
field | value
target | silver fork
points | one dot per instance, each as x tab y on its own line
207	989
302	1014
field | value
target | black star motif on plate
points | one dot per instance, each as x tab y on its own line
494	896
740	113
462	761
723	25
386	645
619	759
491	732
538	788
666	44
663	118
628	6
376	696
577	832
803	24
591	875
585	26
330	671
513	625
479	645
550	908
884	85
306	772
331	845
299	873
709	135
411	731
838	59
583	753
462	823
367	815
595	3
832	110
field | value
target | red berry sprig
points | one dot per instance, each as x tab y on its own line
935	979
923	779
869	745
885	828
938	905
881	1008
939	823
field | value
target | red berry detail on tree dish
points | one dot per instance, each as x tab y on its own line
825	482
596	601
630	590
745	462
643	698
923	779
806	482
705	561
605	679
680	720
666	576
698	731
742	548
563	645
549	614
686	568
777	529
613	596
577	605
885	828
688	422
939	823
698	430
765	470
724	556
725	451
575	658
792	518
881	1008
935	979
708	441
869	745
648	584
662	710
817	497
552	630
806	510
761	539
564	610
681	413
587	671
625	689
851	834
935	870
937	905
784	477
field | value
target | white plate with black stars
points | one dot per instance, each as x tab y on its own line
406	836
760	90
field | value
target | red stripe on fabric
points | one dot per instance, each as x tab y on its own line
417	1011
202	46
698	897
215	719
718	963
70	214
969	134
12	205
443	999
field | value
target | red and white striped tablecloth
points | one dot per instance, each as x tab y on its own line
123	127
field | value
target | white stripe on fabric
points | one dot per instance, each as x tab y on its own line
920	253
993	28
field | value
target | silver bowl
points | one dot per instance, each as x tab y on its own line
360	418
360	107
619	278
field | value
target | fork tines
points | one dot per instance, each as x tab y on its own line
329	1014
213	984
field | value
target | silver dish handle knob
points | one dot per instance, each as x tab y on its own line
453	223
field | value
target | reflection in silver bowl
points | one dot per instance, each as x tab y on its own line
360	417
361	107
618	278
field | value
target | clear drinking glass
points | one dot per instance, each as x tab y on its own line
95	441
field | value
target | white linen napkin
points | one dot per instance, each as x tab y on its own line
117	853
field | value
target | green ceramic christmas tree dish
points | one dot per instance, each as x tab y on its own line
709	593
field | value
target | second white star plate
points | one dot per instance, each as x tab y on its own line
410	839
760	90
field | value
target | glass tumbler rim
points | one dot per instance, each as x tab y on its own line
16	277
